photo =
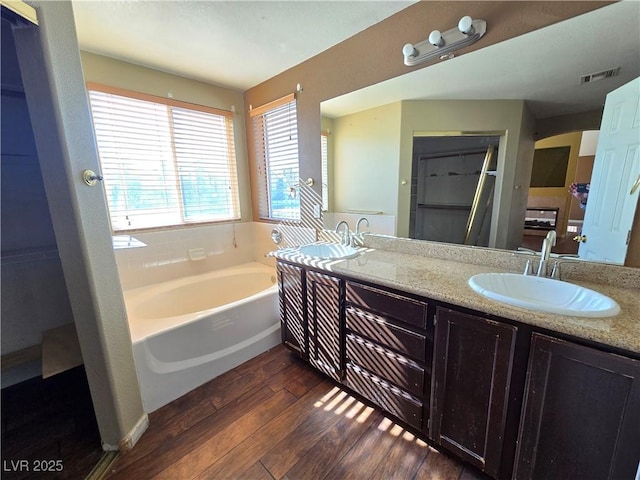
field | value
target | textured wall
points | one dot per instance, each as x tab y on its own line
366	159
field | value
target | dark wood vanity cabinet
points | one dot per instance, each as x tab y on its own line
388	351
478	387
292	296
324	294
472	367
581	415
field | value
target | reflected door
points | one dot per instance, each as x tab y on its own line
611	204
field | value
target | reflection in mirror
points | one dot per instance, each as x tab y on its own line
508	95
452	185
560	161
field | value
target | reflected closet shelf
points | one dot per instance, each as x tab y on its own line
444	206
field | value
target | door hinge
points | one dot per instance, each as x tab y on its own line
429	424
435	319
628	237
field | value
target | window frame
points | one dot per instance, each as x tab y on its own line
264	193
232	165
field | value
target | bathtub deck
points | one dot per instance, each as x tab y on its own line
274	417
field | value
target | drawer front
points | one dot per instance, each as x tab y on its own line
384	395
408	310
388	365
387	334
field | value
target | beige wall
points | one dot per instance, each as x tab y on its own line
125	75
508	118
366	160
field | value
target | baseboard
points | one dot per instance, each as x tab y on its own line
127	443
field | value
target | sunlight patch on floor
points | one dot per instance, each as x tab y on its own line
364	415
335	401
326	397
344	405
385	424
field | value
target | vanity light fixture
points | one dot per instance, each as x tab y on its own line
442	44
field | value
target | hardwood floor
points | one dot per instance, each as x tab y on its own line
49	421
275	417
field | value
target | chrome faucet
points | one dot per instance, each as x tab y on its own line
545	252
356	238
346	234
551	236
363	219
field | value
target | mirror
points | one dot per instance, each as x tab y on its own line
495	91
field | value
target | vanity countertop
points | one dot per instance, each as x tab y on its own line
446	281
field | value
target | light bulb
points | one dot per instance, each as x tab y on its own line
435	38
409	50
465	25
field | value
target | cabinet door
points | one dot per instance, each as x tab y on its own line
472	364
581	417
291	280
324	294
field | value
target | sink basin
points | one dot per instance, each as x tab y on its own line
544	294
324	251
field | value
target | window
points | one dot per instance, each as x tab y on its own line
164	162
276	140
324	149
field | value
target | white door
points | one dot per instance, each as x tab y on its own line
611	206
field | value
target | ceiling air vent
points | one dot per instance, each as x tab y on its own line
594	77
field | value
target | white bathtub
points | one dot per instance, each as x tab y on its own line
188	331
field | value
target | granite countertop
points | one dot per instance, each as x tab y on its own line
446	280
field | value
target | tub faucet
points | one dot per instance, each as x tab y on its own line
357	238
547	243
363	219
346	234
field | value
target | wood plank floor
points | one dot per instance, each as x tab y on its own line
275	417
51	420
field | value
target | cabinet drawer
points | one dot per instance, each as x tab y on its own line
384	395
385	304
387	334
388	365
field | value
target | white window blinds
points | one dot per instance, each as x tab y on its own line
276	140
164	162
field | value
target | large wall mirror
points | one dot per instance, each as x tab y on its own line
393	145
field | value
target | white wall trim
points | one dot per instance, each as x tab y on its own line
129	441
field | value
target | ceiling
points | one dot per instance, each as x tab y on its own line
233	44
542	67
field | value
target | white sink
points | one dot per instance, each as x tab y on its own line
324	251
544	294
